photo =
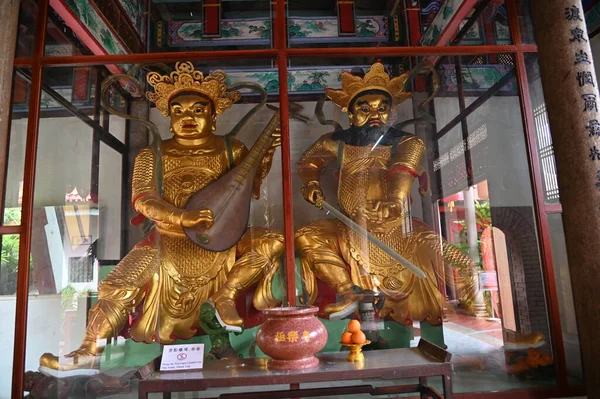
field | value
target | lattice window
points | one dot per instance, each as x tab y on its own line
506	59
81	269
548	163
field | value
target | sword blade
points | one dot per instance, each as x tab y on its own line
383	246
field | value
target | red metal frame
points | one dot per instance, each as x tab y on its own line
8	229
22	295
538	192
288	206
553	208
282	53
75	24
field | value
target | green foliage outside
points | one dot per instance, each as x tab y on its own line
483	218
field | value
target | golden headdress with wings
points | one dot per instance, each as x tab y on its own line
376	79
185	78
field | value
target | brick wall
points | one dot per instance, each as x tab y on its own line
517	223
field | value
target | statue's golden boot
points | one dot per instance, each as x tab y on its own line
86	359
83	361
523	340
347	305
225	309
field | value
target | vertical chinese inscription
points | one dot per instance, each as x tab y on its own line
589	102
584	78
581	57
573	14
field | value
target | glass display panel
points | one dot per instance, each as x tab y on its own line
449	192
542	131
433	165
28	11
9	265
95	276
565	299
15	144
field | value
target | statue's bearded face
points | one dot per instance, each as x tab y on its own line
370	110
192	115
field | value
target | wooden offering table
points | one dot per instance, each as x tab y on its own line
425	361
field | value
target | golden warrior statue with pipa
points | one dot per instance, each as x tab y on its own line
170	273
359	251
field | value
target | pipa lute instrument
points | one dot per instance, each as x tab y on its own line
229	198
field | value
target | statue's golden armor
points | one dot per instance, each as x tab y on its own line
166	275
375	180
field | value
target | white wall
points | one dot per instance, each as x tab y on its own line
46	332
508	171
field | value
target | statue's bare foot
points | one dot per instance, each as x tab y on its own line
83	361
227	314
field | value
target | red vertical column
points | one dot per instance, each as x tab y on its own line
211	18
27	204
286	167
346	18
81	84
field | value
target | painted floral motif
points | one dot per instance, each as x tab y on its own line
315	82
258	31
440	22
476	78
47	102
269	80
135	11
305	28
263	30
474	35
502	32
190	32
299	80
431	8
96	26
58	50
367	28
328	27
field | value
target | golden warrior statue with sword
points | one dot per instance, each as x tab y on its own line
166	276
377	165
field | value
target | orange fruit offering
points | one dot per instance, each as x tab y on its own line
359	337
354	326
347	338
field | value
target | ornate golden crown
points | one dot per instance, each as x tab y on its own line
185	78
376	79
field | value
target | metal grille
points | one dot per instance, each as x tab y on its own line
546	150
506	59
81	269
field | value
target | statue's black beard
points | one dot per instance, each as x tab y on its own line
368	135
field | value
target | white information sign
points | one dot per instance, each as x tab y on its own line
182	357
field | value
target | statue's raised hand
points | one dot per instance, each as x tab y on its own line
196	218
312	193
